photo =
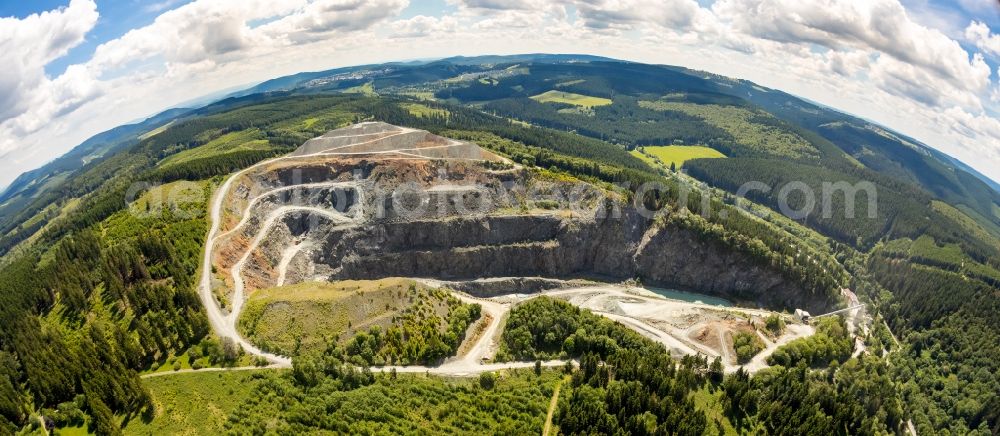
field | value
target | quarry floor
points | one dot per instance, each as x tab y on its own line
684	328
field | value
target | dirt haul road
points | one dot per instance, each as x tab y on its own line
633	308
224	324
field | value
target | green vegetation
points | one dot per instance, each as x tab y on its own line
246	401
858	397
366	89
711	400
155	131
947	365
746	345
606	170
105	292
674	156
624	383
900	159
601	400
244	140
571	99
125	300
418	335
196	403
627	383
545	328
97	292
421	110
925	251
775	324
622	122
305	316
830	343
210	352
388	321
754	132
900	210
404	404
988	232
102	184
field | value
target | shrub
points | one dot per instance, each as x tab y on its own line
747	345
487	380
775	324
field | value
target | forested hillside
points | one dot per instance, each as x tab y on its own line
103	292
80	318
92	293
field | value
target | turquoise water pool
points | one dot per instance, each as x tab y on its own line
690	297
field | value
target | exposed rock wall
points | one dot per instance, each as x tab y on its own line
548	246
474	220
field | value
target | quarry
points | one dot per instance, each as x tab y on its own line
373	201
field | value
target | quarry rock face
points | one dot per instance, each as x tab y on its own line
470	248
404	204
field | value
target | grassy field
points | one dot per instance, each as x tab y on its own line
710	401
195	403
156	131
203	403
969	224
249	139
367	89
304	127
185	362
408	404
422	111
756	137
179	196
664	156
422	95
303	317
949	256
570	98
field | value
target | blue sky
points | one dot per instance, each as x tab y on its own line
928	68
117	18
120	16
433	8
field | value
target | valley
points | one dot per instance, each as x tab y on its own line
439	247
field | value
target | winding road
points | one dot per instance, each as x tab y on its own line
224	324
635	314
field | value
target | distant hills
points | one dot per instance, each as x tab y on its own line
503	84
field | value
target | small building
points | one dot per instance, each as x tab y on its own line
802	315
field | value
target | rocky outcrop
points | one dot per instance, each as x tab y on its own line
677	258
547	246
352	217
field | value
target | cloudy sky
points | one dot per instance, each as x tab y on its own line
70	69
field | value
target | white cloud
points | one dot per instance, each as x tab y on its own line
626	14
872	25
497	5
424	26
160	6
320	17
26	46
980	34
847	63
